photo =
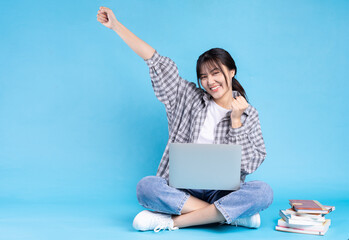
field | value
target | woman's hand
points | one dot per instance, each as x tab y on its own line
106	17
239	105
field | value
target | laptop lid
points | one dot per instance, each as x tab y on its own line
204	166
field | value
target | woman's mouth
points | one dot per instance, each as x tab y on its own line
215	89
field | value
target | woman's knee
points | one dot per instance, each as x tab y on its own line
147	188
267	194
264	194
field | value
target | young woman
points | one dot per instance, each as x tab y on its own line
217	114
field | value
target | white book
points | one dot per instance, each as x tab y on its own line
323	227
302	230
312	216
300	221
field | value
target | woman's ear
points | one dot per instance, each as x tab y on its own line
232	73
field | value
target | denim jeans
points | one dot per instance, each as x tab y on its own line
154	193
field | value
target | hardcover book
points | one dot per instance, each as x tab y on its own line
308	206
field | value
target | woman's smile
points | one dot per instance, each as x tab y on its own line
215	88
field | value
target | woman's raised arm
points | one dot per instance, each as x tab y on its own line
108	19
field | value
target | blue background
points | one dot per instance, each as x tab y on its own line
80	124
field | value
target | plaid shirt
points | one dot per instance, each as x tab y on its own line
186	107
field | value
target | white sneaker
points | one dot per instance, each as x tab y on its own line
250	222
147	220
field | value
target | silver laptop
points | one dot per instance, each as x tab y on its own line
205	166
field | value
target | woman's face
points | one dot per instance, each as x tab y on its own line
213	81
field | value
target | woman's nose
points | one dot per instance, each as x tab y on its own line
210	80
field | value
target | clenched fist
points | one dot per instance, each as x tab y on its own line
106	17
239	105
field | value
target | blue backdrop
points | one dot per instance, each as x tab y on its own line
79	121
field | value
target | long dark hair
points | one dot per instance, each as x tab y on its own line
214	58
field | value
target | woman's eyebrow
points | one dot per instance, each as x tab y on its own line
202	74
215	69
212	70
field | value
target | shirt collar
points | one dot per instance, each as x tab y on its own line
207	98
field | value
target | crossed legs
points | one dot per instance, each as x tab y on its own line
187	210
197	212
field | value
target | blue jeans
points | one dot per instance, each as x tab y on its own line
154	193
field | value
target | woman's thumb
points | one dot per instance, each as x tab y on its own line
105	9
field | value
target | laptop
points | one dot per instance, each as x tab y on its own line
204	166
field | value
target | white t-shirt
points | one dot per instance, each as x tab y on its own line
215	113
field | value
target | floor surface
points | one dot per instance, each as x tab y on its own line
33	222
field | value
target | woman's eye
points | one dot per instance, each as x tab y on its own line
215	73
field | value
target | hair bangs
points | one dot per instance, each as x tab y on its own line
208	65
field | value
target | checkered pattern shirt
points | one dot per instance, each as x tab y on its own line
186	108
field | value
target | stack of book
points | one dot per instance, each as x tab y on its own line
305	216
